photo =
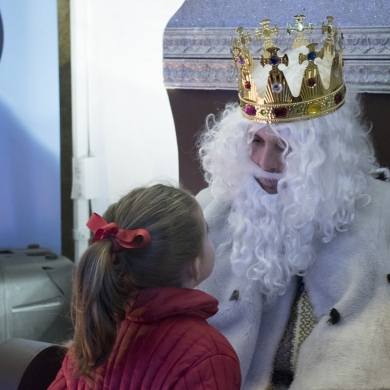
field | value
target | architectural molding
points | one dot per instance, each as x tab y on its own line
366	76
200	58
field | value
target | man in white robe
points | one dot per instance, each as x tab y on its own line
299	214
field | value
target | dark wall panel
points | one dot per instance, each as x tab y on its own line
190	109
66	128
377	111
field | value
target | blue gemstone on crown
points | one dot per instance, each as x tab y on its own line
241	60
274	60
311	56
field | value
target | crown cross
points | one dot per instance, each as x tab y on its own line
239	50
266	32
312	55
243	39
300	29
237	55
273	58
330	30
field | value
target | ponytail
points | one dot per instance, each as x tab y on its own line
100	296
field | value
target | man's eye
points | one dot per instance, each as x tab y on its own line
258	140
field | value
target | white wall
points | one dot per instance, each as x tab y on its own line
29	125
122	109
122	115
130	122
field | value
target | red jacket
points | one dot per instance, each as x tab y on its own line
164	343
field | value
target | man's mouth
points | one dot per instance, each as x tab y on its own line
269	185
269	182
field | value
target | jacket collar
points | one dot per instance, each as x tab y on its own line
153	304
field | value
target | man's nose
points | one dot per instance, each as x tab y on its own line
270	160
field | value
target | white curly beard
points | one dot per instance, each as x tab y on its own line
324	176
267	245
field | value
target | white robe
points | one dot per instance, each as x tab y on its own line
350	274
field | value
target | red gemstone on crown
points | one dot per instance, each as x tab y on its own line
338	98
280	112
247	85
311	82
250	110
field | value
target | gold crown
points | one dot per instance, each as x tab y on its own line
278	105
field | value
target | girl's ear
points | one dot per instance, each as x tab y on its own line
195	266
191	273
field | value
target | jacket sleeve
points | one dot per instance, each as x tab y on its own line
219	372
59	383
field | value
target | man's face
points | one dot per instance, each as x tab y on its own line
266	152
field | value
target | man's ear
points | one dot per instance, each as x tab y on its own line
191	273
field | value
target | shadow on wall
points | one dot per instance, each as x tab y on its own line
29	190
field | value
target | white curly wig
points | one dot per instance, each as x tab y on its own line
326	161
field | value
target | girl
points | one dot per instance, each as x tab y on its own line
139	325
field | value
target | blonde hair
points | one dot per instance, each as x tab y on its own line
102	288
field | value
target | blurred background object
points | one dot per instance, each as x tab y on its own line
35	290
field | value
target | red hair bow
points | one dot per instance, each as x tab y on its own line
137	238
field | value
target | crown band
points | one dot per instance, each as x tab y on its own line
290	112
